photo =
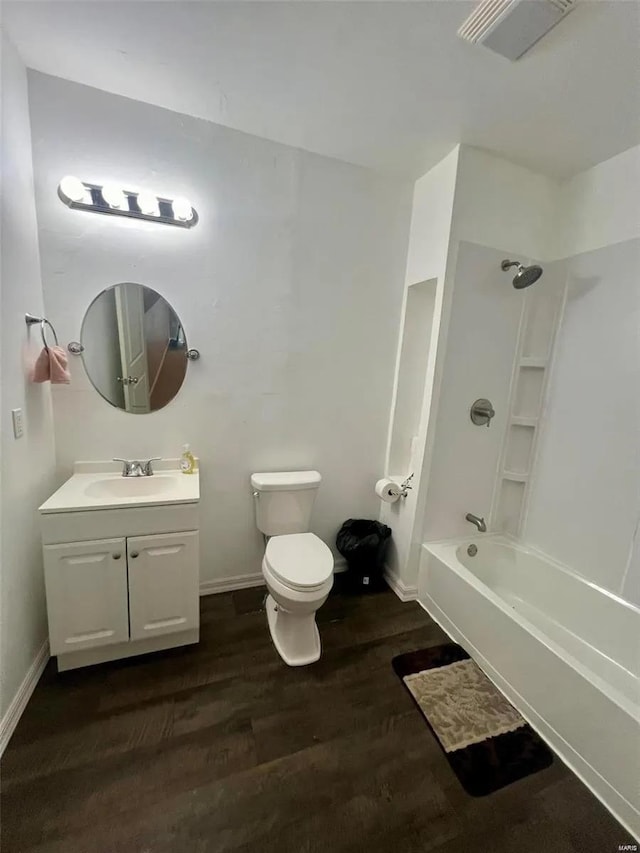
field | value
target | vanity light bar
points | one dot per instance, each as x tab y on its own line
110	198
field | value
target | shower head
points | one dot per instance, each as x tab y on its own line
525	275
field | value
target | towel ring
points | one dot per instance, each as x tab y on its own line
30	320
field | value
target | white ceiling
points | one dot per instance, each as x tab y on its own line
386	85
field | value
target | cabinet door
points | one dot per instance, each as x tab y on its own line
163	584
86	586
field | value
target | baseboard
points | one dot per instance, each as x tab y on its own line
339	565
19	702
256	579
404	592
229	584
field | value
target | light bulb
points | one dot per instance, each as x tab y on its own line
182	209
113	195
72	188
148	204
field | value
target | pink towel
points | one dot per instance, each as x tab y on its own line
51	365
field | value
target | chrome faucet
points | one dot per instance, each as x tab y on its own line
479	522
135	468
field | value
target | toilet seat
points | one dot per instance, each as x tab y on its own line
301	561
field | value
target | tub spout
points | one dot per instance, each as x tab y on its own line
479	522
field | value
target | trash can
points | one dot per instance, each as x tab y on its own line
363	543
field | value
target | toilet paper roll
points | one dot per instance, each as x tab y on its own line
387	490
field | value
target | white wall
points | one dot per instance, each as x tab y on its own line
429	244
431	214
27	473
290	286
499	203
413	366
600	206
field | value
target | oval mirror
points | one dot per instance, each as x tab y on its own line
135	351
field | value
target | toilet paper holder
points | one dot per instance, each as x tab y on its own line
405	486
390	489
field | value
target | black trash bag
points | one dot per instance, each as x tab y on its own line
363	543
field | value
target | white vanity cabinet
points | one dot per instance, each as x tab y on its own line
87	597
163	584
122	577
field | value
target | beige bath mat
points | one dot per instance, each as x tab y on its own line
462	705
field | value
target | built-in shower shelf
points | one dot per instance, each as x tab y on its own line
536	363
515	476
540	316
515	420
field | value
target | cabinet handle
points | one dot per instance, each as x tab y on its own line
116	556
133	554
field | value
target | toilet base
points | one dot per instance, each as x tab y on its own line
296	638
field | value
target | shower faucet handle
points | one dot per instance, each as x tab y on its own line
481	412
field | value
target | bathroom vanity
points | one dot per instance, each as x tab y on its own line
121	563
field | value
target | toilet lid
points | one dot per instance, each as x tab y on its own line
300	560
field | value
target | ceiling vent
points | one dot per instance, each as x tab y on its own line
511	27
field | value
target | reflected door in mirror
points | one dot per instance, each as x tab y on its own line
135	350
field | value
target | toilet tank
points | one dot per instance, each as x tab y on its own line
284	500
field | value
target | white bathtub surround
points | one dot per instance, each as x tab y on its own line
482	337
542	306
477	198
290	285
584	507
562	650
496	210
28	463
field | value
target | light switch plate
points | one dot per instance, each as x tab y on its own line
18	423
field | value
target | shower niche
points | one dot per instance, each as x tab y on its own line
412	376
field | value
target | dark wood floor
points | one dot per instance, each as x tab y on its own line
221	747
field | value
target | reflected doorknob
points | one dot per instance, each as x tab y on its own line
133	554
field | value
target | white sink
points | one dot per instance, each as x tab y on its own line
100	485
130	487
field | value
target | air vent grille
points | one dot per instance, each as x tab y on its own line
511	27
484	16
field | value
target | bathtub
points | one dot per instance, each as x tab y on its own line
564	651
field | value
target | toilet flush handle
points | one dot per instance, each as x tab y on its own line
256	494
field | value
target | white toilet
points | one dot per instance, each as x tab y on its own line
297	565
